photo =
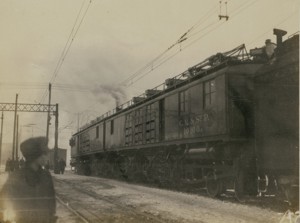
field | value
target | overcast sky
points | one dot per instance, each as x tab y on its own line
113	40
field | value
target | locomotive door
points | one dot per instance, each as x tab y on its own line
162	120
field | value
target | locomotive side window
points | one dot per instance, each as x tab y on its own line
150	123
128	129
112	127
84	140
138	127
209	92
97	132
184	112
184	102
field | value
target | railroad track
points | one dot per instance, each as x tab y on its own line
88	216
269	202
77	213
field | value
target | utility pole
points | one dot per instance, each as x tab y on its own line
1	134
78	122
48	116
17	139
56	170
14	135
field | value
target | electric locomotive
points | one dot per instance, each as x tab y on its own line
197	127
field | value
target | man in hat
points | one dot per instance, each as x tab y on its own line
28	195
62	166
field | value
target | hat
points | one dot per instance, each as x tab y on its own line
33	148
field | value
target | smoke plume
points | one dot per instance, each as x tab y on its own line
116	92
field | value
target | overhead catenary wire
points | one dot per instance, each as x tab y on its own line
86	88
171	56
254	40
163	59
67	43
36	86
66	87
242	7
215	24
72	35
163	56
82	18
182	38
235	12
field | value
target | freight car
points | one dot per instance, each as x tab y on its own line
199	126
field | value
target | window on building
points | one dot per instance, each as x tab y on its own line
209	92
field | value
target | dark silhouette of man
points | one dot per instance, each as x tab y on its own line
62	166
28	196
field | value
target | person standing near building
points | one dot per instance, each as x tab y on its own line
62	166
28	195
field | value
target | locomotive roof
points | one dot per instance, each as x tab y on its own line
210	65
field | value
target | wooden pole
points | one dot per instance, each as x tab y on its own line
1	134
14	135
56	170
48	116
17	139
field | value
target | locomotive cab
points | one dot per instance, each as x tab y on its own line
277	120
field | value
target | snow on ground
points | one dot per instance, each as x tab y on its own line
174	205
171	205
